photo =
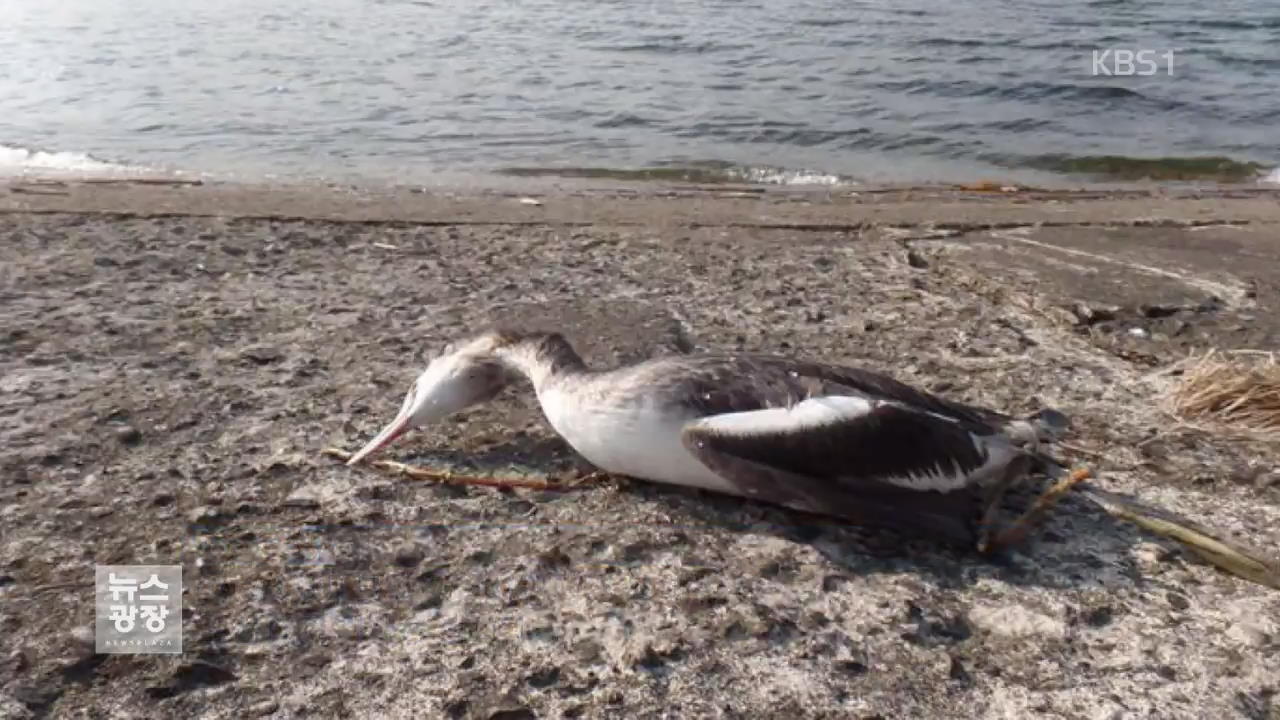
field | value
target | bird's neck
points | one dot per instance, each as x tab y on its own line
544	358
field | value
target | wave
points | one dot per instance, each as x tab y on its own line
1124	168
780	176
16	160
710	173
1272	178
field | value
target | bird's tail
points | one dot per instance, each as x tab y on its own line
1210	546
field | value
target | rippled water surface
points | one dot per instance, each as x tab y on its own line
408	90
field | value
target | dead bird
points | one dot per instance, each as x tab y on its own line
828	439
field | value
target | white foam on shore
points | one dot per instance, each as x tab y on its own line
24	161
777	176
1273	178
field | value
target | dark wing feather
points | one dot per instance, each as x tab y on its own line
887	444
887	464
715	384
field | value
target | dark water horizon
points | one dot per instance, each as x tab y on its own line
768	91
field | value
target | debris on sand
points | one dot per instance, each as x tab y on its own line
1236	391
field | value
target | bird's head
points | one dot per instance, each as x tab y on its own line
463	375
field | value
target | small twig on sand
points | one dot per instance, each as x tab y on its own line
61	586
1081	450
444	476
36	190
141	181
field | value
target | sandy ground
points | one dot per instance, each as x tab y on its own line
172	359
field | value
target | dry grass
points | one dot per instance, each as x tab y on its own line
1234	392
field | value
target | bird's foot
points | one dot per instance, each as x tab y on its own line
1024	524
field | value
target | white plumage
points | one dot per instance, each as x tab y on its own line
634	440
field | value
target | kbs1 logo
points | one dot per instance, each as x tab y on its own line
1121	62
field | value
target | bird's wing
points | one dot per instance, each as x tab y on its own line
718	384
870	460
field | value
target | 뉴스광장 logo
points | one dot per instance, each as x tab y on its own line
139	609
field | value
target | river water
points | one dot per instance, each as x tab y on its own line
413	91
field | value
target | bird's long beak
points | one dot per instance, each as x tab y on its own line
397	427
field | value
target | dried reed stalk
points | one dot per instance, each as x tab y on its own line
452	478
1237	391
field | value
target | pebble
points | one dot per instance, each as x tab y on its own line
201	514
1089	314
1267	480
129	435
205	566
266	707
1150	557
1248	634
510	710
1016	621
1159	311
262	354
16	662
83	638
408	556
588	651
303	497
351	621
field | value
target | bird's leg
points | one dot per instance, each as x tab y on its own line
1018	531
1013	473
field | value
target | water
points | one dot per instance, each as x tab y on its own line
413	91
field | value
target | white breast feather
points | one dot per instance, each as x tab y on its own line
638	441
